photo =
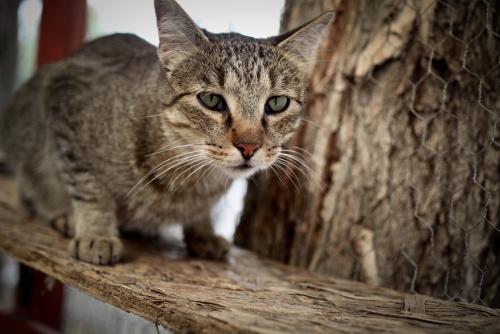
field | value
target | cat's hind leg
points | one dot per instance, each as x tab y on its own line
43	195
77	210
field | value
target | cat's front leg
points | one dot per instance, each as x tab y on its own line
96	237
201	241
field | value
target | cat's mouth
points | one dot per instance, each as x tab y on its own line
244	169
244	166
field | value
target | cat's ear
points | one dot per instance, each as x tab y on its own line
302	41
179	35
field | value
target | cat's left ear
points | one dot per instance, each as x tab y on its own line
302	41
179	35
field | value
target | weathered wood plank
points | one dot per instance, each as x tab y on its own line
245	295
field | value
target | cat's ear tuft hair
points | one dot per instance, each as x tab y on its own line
179	35
302	41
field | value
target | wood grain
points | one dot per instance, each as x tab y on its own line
245	295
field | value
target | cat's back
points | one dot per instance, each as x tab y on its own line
115	48
108	60
101	70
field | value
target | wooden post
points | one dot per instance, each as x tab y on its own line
62	29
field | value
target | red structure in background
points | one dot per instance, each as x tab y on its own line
62	29
39	307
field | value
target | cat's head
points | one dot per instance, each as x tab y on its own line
236	99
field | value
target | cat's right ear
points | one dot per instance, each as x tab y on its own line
301	43
179	35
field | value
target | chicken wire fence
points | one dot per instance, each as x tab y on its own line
477	149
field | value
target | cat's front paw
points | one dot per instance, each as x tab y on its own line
210	247
97	250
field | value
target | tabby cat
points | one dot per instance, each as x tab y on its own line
123	136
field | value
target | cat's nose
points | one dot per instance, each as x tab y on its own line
247	150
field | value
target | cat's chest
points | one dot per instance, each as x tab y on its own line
151	209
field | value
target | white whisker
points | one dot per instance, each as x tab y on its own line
149	116
286	166
272	168
319	126
180	158
161	165
188	161
205	172
170	148
294	160
304	150
197	166
300	154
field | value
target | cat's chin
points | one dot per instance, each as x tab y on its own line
239	172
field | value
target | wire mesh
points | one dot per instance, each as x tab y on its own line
479	74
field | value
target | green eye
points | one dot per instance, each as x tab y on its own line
277	104
212	101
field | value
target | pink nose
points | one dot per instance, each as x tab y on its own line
247	149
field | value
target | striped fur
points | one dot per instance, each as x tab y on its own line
113	138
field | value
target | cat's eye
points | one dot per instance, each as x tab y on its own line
212	101
277	104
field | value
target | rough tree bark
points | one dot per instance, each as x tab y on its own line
401	126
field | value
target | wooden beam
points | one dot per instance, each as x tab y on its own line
246	295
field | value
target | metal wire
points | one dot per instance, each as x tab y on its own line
471	229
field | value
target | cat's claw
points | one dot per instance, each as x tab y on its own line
97	250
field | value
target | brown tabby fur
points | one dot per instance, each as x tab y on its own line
87	136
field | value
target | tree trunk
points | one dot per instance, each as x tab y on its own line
401	133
